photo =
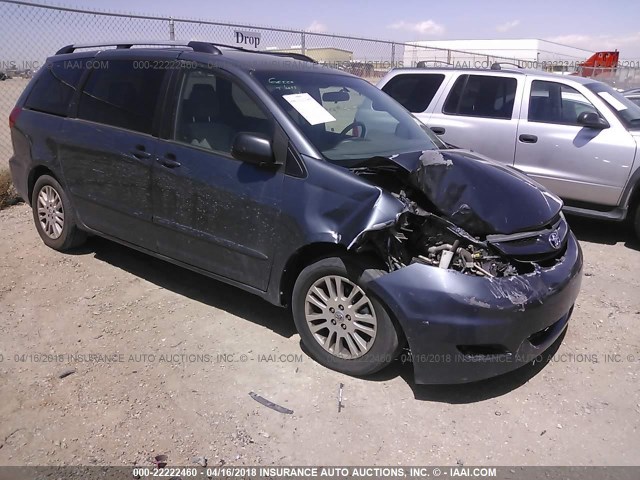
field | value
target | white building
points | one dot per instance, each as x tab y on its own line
528	52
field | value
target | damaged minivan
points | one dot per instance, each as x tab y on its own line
253	168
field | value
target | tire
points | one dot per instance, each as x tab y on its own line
635	220
54	215
354	346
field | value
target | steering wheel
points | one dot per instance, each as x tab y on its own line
351	126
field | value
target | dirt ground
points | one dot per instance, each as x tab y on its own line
184	352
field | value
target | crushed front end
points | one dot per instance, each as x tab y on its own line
481	283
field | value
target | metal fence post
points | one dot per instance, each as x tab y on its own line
365	55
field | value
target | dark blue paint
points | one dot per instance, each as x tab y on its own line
440	309
244	223
479	195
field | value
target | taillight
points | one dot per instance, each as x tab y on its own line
13	116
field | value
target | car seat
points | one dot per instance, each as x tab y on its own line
201	120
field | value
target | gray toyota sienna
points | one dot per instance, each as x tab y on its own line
251	168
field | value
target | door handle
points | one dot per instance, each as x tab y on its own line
525	138
169	161
140	152
438	130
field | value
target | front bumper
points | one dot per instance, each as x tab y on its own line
463	328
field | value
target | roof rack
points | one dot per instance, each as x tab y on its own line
502	65
202	47
195	46
297	56
426	63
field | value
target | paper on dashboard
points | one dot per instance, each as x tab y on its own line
613	101
309	108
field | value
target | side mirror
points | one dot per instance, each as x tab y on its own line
592	120
253	148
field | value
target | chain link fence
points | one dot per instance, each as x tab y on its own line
32	32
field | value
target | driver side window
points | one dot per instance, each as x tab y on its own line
552	102
213	109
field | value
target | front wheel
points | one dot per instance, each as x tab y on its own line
343	327
54	216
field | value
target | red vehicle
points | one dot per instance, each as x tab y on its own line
598	63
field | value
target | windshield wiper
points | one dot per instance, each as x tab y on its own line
376	163
374	168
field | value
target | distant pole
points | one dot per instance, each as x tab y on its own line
172	30
303	46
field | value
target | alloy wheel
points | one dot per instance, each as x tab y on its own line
50	212
340	317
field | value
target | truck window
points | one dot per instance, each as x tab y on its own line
414	91
552	102
482	96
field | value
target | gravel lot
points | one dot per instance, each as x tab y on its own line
577	409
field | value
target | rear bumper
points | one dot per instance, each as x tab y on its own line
20	178
463	328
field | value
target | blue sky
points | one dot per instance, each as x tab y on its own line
590	24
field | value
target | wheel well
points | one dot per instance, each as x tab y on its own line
314	252
36	173
301	259
311	253
634	201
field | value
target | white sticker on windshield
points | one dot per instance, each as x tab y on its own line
613	101
312	111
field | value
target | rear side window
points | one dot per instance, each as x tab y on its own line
54	88
122	95
482	96
414	91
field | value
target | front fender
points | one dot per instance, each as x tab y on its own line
330	206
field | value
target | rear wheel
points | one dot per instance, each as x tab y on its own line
342	326
54	216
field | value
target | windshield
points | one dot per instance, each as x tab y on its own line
346	118
627	111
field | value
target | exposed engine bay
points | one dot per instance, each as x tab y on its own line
426	232
422	237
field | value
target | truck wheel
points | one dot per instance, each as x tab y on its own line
343	327
636	220
54	216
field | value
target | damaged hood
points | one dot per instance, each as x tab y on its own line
479	195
